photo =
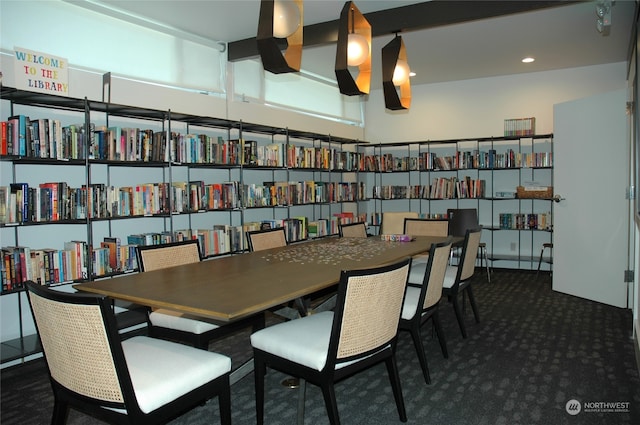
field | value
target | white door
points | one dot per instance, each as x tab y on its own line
591	168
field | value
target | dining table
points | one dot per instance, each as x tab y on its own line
233	287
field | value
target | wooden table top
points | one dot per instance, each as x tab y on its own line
238	286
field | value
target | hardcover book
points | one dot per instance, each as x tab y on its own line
20	192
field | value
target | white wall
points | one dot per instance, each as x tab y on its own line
129	92
91	39
477	108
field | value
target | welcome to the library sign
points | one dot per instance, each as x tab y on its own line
41	72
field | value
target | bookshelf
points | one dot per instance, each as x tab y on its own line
171	175
430	177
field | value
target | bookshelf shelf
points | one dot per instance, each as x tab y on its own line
18	348
483	173
171	154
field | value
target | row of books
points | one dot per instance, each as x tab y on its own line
460	160
134	144
201	196
23	136
205	149
518	221
299	193
490	159
42	138
461	188
322	158
47	138
440	188
57	201
520	127
127	144
331	225
44	266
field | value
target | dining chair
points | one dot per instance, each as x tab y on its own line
422	299
457	279
425	227
350	230
141	380
327	347
463	219
353	230
169	324
393	222
266	238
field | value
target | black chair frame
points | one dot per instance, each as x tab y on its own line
65	398
326	378
463	286
414	325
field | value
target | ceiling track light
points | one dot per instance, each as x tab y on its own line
353	49
395	72
280	26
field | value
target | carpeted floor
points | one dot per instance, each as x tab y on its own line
534	351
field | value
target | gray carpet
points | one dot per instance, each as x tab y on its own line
534	351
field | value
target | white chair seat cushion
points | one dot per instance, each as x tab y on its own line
304	341
410	306
450	276
179	321
162	371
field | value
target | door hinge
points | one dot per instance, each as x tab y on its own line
628	276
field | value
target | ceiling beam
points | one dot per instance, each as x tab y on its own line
413	17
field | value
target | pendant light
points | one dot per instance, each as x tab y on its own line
353	50
280	25
395	74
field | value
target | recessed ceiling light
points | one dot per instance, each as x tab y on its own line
528	60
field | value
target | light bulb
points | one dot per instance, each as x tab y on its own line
357	49
286	18
400	73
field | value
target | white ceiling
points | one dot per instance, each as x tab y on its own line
558	37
